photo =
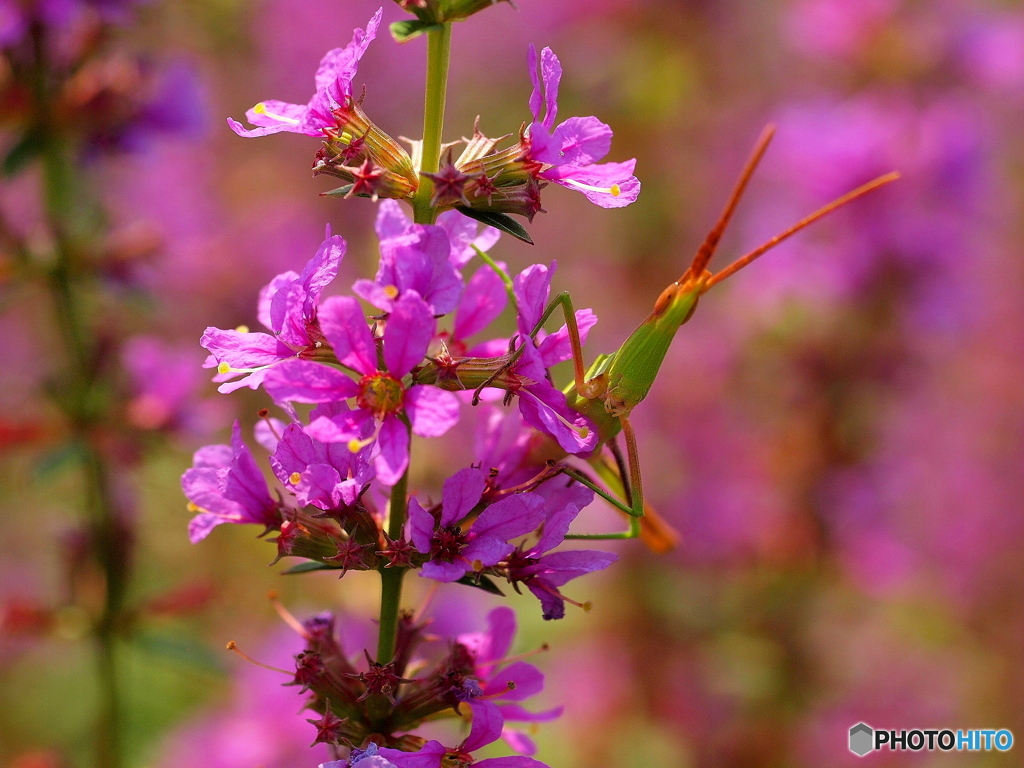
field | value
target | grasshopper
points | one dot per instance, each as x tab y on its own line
616	383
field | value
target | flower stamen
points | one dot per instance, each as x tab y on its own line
233	647
286	615
261	109
614	190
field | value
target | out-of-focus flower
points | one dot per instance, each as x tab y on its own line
259	724
506	684
165	384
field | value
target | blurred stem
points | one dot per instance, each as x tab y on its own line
62	203
391	578
439	43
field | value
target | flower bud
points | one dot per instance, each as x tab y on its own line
358	152
431	13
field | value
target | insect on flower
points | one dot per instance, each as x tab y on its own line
607	392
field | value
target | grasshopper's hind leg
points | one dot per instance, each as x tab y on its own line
622	477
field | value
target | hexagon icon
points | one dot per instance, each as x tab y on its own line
861	739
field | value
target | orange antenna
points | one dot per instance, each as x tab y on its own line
839	202
707	248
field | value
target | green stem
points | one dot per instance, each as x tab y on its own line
390	599
63	205
439	44
391	578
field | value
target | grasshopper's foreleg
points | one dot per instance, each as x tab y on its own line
565	302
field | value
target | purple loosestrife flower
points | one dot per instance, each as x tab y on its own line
540	402
288	308
506	684
513	451
523	371
412	257
532	288
543	405
333	90
226	486
464	235
454	553
362	758
568	154
326	475
355	150
483	301
384	403
543	573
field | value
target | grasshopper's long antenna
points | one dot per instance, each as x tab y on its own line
839	202
707	248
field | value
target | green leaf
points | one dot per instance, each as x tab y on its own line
308	567
404	31
501	221
58	459
190	651
26	149
481	582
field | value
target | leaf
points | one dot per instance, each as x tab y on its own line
308	567
481	582
404	31
189	651
501	221
58	459
26	149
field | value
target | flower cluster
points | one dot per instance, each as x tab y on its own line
471	676
373	381
482	180
110	98
355	376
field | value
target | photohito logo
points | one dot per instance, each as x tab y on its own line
865	739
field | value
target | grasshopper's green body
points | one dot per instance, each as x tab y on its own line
623	379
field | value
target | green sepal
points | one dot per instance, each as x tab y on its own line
501	221
339	192
405	30
480	581
308	567
24	151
